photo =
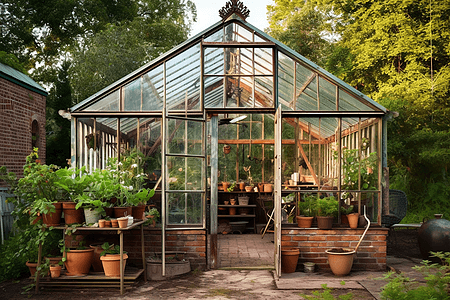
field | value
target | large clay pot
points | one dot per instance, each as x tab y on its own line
96	262
289	259
111	264
268	188
120	211
434	235
341	262
32	267
78	262
353	220
53	219
324	222
304	222
138	211
72	215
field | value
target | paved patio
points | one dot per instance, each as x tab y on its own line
245	250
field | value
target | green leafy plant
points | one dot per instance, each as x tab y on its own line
110	249
326	294
308	205
327	206
231	187
437	278
153	212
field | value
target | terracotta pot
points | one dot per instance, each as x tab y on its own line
248	189
72	215
36	219
304	222
123	223
55	271
31	267
109	211
268	188
324	222
78	262
53	219
289	259
261	187
353	220
96	262
54	260
340	262
111	264
122	211
344	219
241	186
114	223
225	186
232	210
226	149
107	223
233	201
138	211
101	223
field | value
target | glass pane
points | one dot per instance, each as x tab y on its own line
185	173
214	61
263	91
329	165
185	137
239	92
107	103
327	95
214	92
263	61
238	61
350	103
183	80
107	128
184	208
128	133
153	90
150	146
237	33
285	81
215	37
132	96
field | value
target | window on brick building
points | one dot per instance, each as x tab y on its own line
35	134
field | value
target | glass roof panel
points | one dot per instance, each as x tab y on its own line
263	61
107	103
213	92
307	100
327	95
350	103
285	81
132	96
213	61
238	61
236	33
183	80
263	91
215	37
153	89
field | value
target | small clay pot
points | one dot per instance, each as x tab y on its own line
248	189
114	223
101	223
123	222
108	223
55	271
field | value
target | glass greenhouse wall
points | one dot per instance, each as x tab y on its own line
331	133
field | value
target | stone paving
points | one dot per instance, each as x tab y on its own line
245	250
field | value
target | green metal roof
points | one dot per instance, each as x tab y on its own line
21	79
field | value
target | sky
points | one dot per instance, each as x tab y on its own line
208	13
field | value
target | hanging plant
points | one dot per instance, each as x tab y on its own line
226	149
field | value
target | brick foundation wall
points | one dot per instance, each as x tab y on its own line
19	107
192	242
312	243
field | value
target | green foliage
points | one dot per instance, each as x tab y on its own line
12	61
437	277
326	294
327	206
308	205
110	249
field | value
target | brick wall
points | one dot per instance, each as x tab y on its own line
312	243
19	107
192	242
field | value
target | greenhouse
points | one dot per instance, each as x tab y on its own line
232	108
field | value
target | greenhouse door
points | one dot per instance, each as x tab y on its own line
277	194
183	171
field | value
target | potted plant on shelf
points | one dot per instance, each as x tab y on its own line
152	215
78	260
110	258
308	210
327	210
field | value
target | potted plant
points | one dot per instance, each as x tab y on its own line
93	208
152	215
110	258
327	210
308	210
350	216
77	260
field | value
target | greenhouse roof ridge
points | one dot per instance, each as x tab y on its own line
195	39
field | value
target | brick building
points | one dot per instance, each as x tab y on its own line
22	118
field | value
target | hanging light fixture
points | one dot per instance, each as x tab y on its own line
231	121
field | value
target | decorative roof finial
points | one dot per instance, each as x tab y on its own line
234	7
